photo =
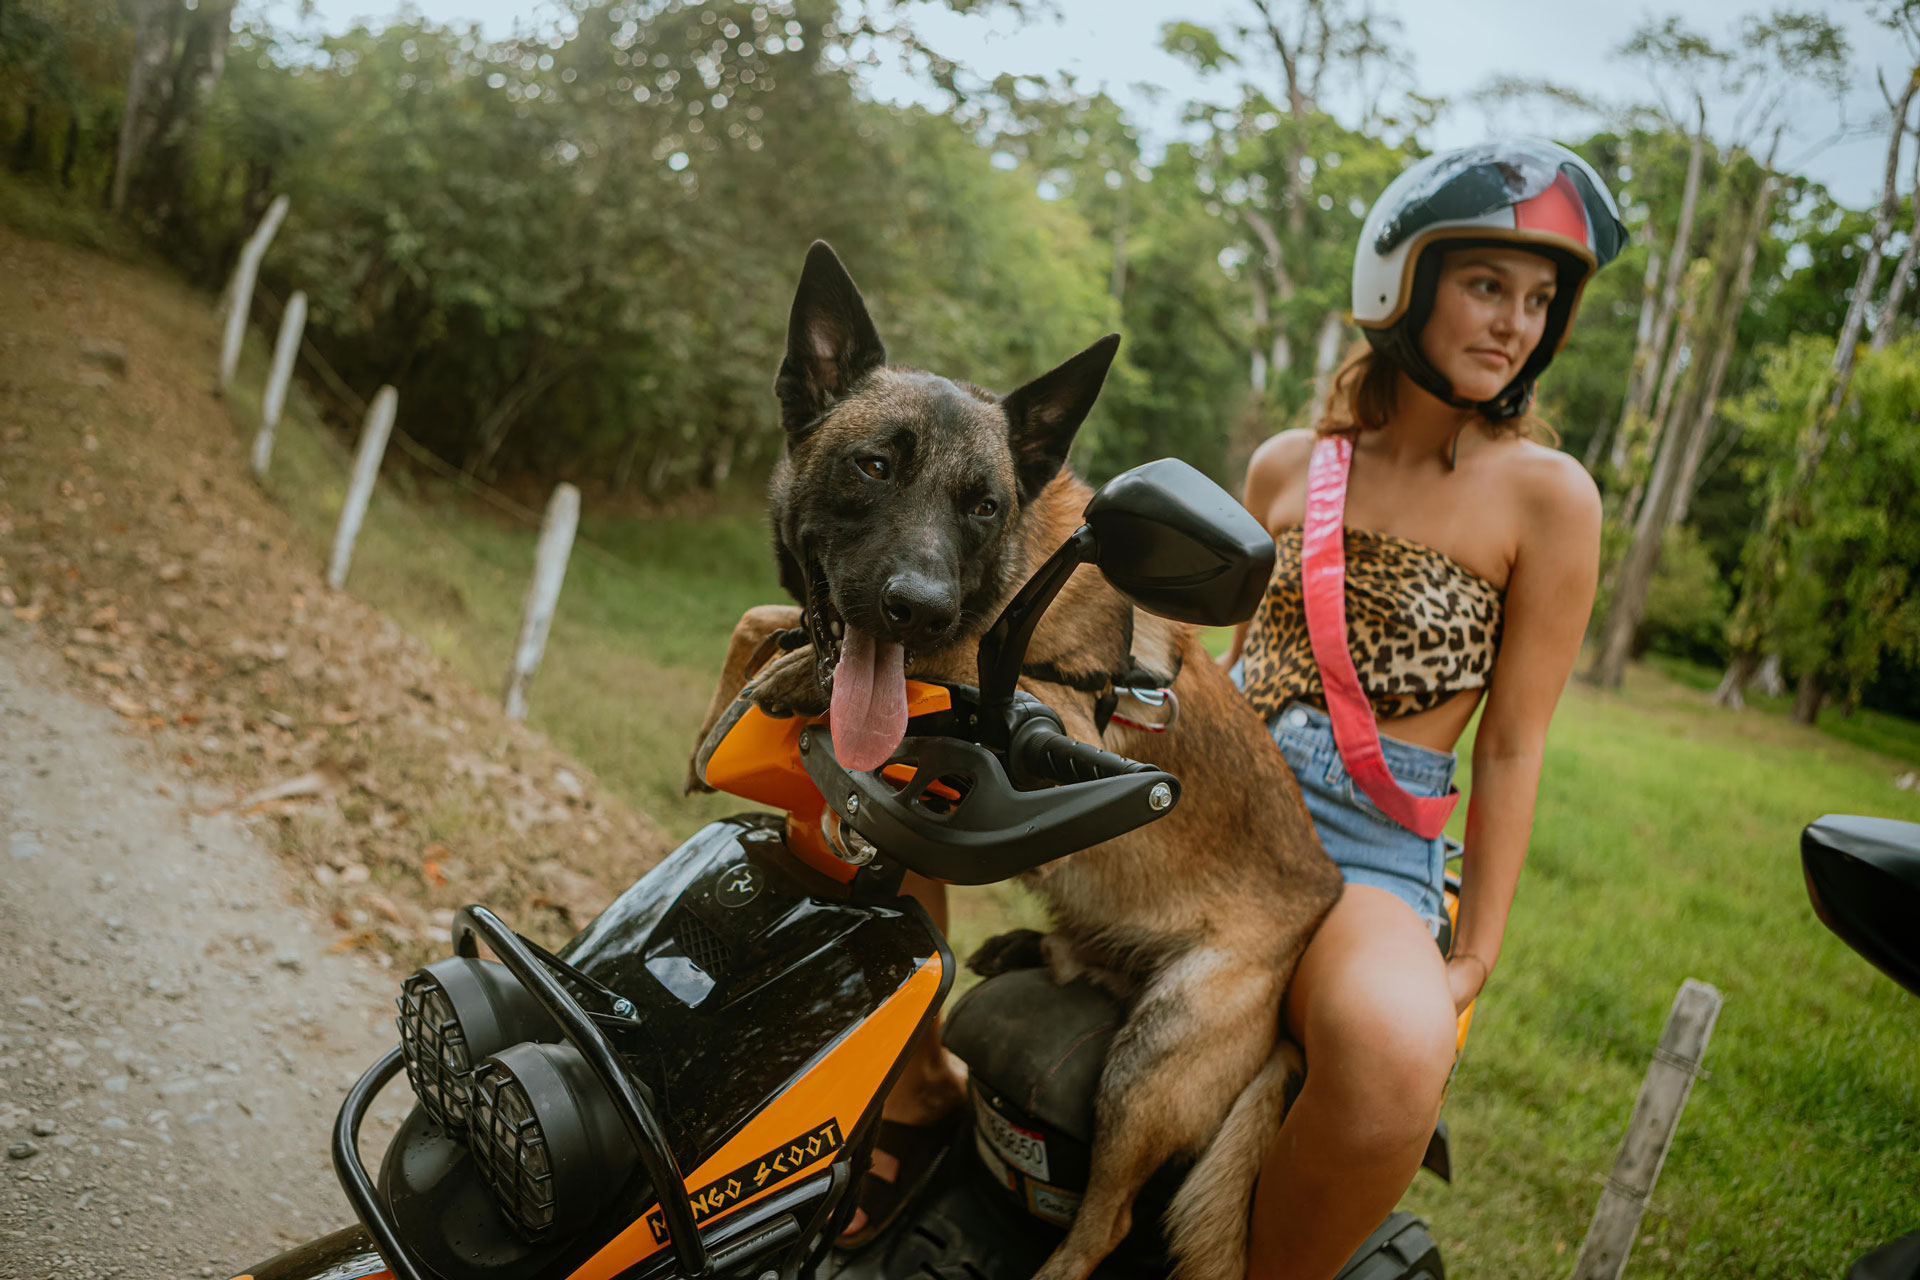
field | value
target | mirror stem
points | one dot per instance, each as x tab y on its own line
1003	649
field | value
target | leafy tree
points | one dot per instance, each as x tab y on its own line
1847	597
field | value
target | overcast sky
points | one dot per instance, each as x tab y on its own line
1456	45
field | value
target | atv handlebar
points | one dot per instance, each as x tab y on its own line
981	793
1041	755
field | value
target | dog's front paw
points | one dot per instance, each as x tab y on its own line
787	686
1018	949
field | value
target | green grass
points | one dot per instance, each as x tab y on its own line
36	208
1665	849
1875	730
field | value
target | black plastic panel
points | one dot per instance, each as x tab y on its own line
1863	875
794	975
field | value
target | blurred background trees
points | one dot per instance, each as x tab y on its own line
573	253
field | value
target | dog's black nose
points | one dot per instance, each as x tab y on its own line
917	609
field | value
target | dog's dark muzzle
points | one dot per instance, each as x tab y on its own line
919	610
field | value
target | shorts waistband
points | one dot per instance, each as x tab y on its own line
1411	764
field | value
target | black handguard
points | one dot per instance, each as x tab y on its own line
962	820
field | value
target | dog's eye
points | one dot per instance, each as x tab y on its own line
987	509
875	468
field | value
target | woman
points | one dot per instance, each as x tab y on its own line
1471	553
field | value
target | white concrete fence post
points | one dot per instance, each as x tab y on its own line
293	323
1650	1130
240	289
543	593
366	468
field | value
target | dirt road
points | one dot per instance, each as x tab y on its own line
174	1036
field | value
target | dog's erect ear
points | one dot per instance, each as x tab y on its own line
1043	415
831	342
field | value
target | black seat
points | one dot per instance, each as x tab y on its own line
1040	1043
1863	875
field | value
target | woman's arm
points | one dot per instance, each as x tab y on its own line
1549	597
1272	465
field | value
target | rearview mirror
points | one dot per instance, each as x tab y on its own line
1863	875
1177	544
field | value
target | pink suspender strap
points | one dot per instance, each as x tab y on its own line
1323	572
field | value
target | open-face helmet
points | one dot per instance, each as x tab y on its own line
1515	192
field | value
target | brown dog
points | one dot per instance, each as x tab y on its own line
907	509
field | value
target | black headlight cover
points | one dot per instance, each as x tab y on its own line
453	1013
547	1138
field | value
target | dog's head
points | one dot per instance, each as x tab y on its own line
899	497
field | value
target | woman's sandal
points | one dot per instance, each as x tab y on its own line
917	1148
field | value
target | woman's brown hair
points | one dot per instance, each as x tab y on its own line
1366	386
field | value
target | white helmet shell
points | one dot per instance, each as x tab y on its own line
1524	190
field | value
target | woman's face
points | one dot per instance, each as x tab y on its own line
1489	309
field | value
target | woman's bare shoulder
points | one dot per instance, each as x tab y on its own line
1546	477
1555	491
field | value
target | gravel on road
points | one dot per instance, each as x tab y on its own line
175	1035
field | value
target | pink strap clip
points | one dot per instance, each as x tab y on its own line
1323	573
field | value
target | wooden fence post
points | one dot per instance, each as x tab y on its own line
366	467
543	593
293	321
240	289
1656	1114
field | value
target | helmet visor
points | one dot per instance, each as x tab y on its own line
1476	181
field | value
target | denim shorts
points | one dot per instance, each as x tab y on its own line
1369	847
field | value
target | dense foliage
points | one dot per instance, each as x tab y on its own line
573	252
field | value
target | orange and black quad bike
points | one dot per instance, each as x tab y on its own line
689	1086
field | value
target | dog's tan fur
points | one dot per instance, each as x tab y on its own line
1200	917
1205	912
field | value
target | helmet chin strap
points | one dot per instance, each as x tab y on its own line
1400	344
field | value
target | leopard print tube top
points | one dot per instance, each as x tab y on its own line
1421	627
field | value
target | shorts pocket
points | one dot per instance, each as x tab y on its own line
1298	755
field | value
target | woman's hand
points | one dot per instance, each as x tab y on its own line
1466	975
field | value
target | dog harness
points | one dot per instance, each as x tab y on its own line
1323	589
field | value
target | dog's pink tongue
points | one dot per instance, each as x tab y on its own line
869	712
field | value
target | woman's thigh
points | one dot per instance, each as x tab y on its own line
1369	1002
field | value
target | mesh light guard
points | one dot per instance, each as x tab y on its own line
434	1048
511	1150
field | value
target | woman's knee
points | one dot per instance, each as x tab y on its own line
1386	1068
1373	1015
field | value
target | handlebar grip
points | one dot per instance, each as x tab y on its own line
1041	754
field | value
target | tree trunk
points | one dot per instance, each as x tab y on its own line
1650	292
1280	356
152	43
1729	327
1262	317
1769	679
71	152
1807	697
1869	278
1678	361
1902	273
716	464
1746	632
1326	358
623	463
29	140
659	467
196	72
1629	597
1642	353
1733	682
1644	378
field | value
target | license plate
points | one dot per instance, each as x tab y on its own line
1022	1148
